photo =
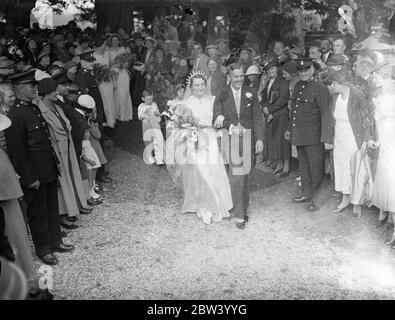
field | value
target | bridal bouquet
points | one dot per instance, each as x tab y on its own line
181	118
124	59
102	73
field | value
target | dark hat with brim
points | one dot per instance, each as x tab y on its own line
46	86
60	76
23	77
303	64
87	55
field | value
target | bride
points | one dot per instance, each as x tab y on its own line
202	176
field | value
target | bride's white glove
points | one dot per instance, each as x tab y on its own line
219	122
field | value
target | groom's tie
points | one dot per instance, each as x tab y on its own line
237	101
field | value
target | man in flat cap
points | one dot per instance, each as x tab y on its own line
310	129
31	153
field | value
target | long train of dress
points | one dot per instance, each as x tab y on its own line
203	177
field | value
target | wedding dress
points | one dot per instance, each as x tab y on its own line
203	177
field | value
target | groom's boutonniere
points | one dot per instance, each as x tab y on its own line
249	97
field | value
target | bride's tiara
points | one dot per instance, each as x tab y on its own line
194	74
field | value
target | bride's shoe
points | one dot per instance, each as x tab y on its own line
340	208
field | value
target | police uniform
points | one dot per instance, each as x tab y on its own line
310	126
31	153
86	82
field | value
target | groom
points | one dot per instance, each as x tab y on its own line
236	108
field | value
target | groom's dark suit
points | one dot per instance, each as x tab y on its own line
249	116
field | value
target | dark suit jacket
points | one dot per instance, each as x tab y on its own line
357	115
277	100
250	116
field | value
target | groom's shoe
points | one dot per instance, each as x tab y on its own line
301	199
246	218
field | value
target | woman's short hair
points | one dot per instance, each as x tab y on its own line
4	87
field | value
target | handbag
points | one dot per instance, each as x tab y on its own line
361	178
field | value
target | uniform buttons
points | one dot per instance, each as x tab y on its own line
300	92
294	125
294	118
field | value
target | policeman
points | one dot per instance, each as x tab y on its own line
31	153
86	82
310	129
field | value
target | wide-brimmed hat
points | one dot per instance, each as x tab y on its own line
252	70
24	77
5	122
46	86
153	40
6	63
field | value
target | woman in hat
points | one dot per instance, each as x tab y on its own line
7	68
275	97
384	114
348	113
253	77
43	61
71	192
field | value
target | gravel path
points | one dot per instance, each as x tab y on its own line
138	246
